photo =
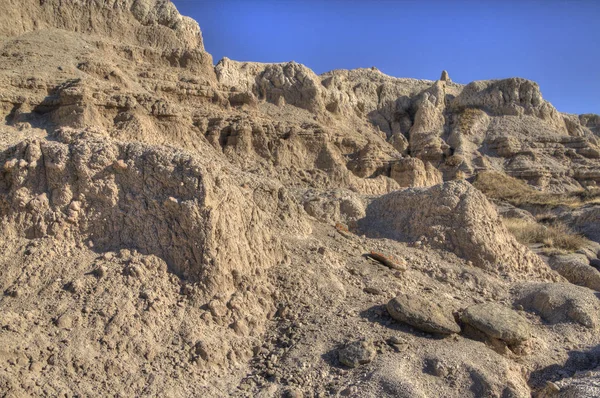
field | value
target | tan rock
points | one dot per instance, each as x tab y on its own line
498	322
426	315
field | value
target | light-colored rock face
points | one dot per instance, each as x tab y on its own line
155	23
87	188
290	83
507	97
459	129
174	228
413	172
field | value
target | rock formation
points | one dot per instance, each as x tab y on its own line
173	228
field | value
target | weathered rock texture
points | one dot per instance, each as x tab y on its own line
424	315
456	217
156	200
173	228
497	322
561	302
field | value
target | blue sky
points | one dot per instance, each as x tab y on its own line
555	43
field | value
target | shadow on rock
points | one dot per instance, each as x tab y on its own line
578	361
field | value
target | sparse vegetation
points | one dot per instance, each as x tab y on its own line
500	186
557	237
468	118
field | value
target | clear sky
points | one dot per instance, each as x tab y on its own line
555	43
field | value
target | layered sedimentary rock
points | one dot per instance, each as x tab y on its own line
171	227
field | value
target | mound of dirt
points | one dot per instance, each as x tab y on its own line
453	216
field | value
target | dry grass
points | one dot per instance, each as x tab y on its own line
557	236
500	186
468	118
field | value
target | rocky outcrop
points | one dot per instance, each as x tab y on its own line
338	206
513	96
591	121
170	227
290	83
456	217
584	221
413	172
151	23
87	188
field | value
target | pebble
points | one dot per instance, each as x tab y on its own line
357	353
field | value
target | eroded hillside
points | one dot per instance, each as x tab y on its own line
174	228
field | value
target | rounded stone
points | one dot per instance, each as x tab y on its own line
498	322
425	315
357	353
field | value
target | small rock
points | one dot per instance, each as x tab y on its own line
372	290
425	315
438	368
64	322
36	366
552	387
396	340
350	391
217	308
76	286
75	205
388	261
14	292
100	271
357	353
292	393
201	349
120	165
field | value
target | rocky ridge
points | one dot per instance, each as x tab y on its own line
170	227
